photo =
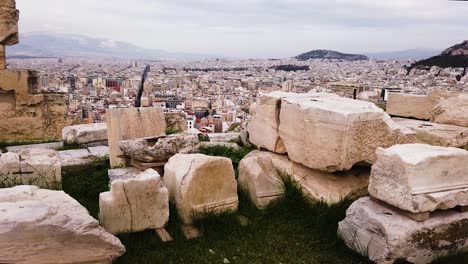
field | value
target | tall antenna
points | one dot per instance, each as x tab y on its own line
142	86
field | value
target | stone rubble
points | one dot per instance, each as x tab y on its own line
42	227
451	111
200	184
134	205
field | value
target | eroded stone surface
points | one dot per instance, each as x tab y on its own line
123	174
2	58
132	123
42	226
331	133
437	134
223	137
410	105
9	17
200	184
176	121
159	149
451	111
259	178
135	204
40	167
420	178
384	235
219	144
88	133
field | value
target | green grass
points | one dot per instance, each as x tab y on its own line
292	230
68	146
222	151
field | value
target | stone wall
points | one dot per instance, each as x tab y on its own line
25	112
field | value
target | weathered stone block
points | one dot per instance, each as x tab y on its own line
410	105
420	178
132	123
437	134
200	184
158	149
40	167
135	205
260	179
42	226
87	133
2	58
385	236
331	133
19	81
123	174
451	111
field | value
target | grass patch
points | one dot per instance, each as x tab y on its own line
86	184
69	146
234	154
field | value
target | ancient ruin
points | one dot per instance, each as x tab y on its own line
27	113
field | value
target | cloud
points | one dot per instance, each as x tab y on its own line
254	28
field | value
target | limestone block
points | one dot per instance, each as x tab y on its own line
82	134
200	184
176	121
385	236
219	144
263	129
99	151
420	178
52	145
410	105
132	123
223	137
253	109
2	58
437	134
123	174
19	81
158	149
10	172
75	158
135	205
260	179
42	226
451	111
9	17
41	167
331	133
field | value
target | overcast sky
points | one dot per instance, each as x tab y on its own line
255	28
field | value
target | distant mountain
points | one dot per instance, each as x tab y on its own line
330	54
453	57
69	45
411	54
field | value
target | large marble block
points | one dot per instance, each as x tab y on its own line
42	227
259	178
132	123
10	172
135	205
331	133
82	134
420	178
386	236
263	172
410	105
159	149
200	184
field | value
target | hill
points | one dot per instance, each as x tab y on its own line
71	45
330	54
453	57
